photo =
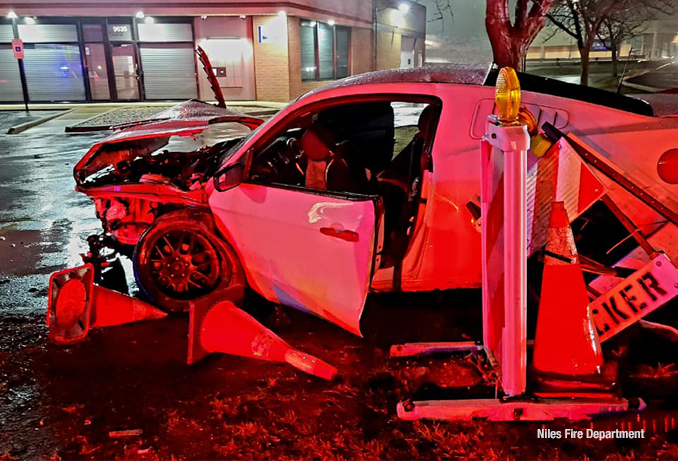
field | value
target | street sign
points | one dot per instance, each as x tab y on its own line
18	48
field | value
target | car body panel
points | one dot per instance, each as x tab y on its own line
281	237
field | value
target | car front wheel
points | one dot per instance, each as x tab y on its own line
179	259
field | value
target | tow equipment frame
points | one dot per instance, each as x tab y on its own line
505	249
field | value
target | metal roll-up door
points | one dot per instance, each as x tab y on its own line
169	72
54	73
10	81
6	33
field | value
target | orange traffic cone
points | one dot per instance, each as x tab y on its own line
75	304
566	342
225	328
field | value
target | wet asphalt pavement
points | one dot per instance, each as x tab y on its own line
43	221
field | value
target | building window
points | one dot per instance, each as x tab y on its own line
52	63
309	68
324	51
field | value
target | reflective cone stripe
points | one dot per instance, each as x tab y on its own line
227	329
566	342
310	364
562	176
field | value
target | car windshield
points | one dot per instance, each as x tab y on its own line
228	153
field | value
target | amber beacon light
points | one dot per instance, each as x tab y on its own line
507	96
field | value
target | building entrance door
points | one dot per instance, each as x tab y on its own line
126	70
407	54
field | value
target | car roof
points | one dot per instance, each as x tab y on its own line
474	74
438	73
553	87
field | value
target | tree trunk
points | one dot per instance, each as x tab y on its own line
505	48
510	42
508	55
584	53
613	50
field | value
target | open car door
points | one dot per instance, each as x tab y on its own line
312	250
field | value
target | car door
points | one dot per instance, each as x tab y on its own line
312	250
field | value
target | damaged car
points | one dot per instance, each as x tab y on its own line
371	183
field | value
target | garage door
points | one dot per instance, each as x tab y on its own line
54	72
10	82
169	72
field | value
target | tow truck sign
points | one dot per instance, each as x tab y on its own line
643	292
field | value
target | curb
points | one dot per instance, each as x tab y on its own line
33	123
254	113
636	86
76	129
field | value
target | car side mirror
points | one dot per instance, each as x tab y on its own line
228	177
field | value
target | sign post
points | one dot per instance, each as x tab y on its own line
18	49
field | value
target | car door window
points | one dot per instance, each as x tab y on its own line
353	144
370	147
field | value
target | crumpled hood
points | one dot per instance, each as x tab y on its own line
143	137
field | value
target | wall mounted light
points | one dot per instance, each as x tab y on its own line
12	15
29	20
149	20
330	22
404	8
140	15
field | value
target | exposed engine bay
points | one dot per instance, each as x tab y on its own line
156	166
144	179
147	161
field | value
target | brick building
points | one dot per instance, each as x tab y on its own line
98	50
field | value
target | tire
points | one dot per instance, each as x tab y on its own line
179	260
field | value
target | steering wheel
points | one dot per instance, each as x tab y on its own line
293	147
280	163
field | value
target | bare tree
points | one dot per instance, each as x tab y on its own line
511	40
615	31
584	19
443	8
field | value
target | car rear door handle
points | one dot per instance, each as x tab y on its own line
347	235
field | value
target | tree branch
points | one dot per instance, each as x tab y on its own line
561	26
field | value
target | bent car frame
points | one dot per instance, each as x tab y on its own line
371	183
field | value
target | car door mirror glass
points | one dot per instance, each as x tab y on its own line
228	177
